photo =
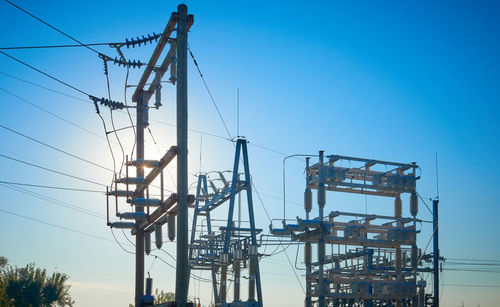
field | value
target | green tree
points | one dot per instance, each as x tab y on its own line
163	297
32	287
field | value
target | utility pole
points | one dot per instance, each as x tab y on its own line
435	261
182	268
142	108
177	203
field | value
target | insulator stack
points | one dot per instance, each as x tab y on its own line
144	40
414	256
307	254
120	53
414	204
321	195
158	236
157	89
308	200
171	226
147	242
139	216
114	105
105	67
149	286
133	64
398	206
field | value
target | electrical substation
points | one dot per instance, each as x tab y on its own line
350	258
369	260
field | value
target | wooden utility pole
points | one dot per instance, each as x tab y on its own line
142	107
182	269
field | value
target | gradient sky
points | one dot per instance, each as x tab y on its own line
389	80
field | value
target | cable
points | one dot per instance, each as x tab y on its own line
47	24
478	286
152	120
117	45
128	112
469	259
55	201
52	114
465	263
151	266
472	270
425	204
50	187
117	242
54	46
44	73
54	148
44	87
55	225
127	64
113	124
51	170
209	92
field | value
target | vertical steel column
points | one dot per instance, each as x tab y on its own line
398	263
321	241
307	248
224	262
252	251
414	249
182	269
435	242
199	190
251	216
238	255
139	236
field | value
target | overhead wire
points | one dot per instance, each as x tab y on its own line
54	201
44	87
46	74
209	92
55	46
134	64
152	120
51	170
54	148
52	114
55	225
113	124
51	187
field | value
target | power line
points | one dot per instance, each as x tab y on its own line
50	187
47	24
475	260
161	122
101	55
52	114
56	226
468	263
44	87
473	270
209	93
152	120
51	170
44	73
54	148
55	46
55	201
477	286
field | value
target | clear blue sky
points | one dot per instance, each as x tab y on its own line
387	80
